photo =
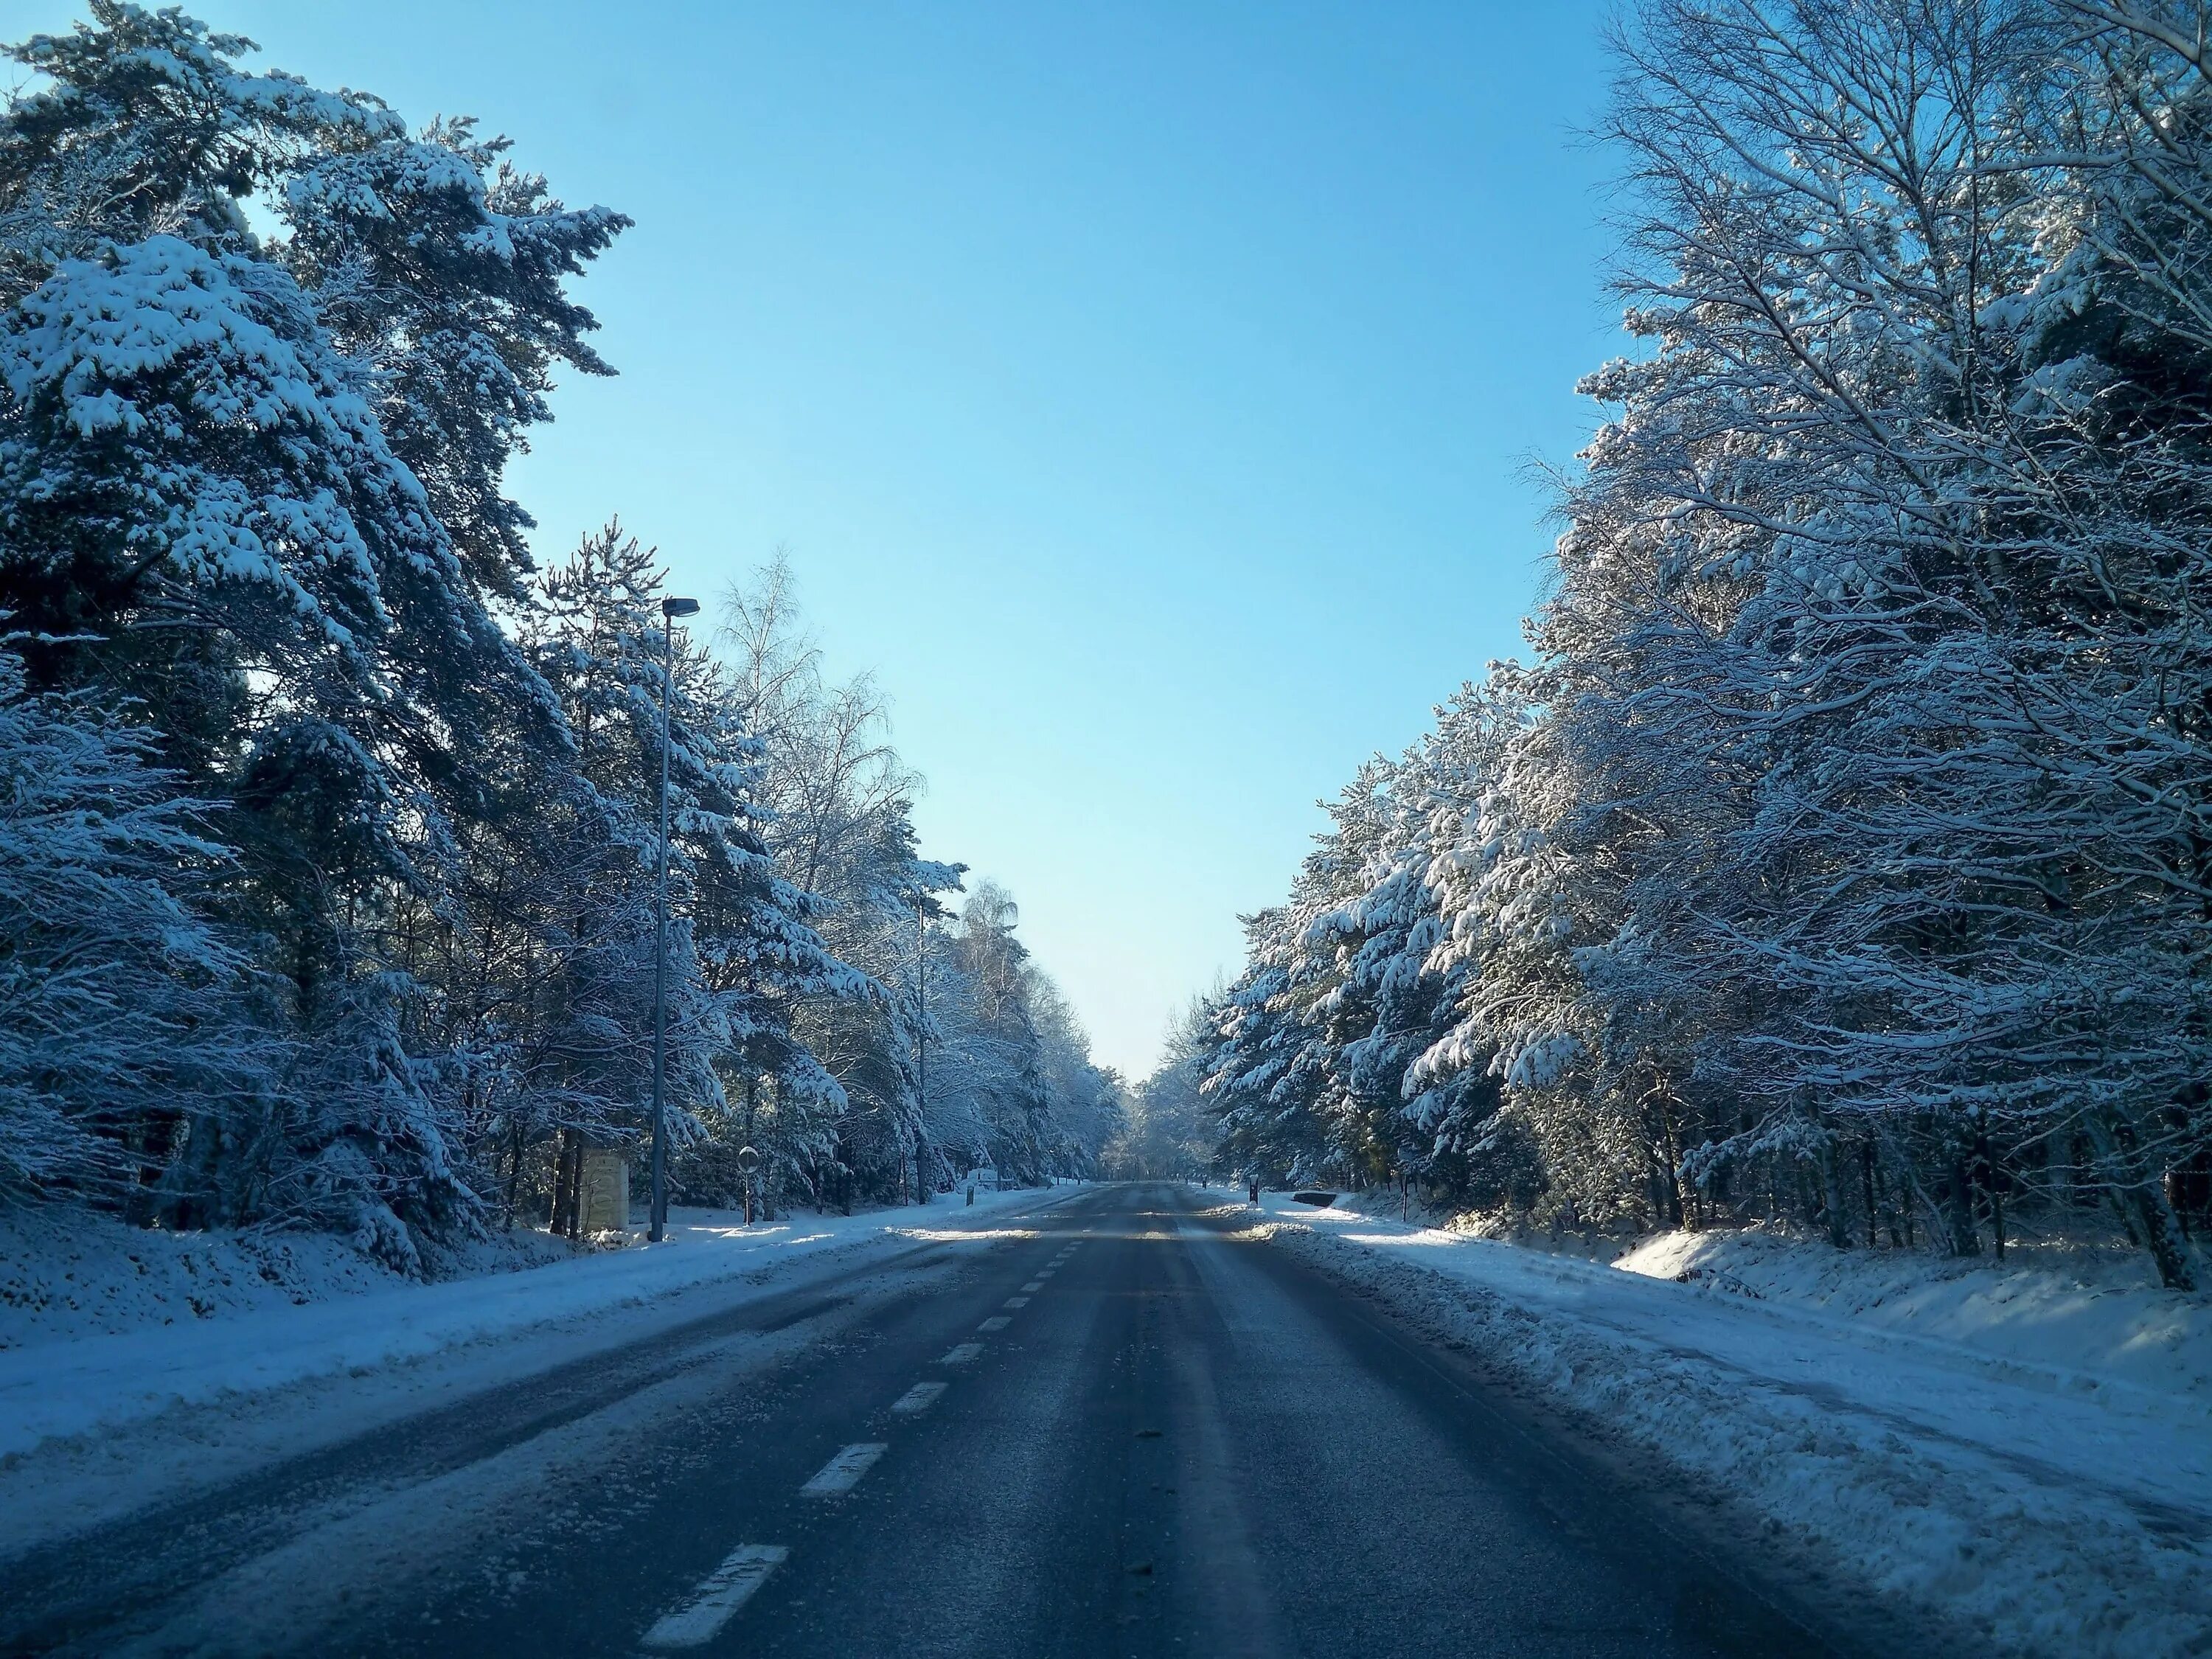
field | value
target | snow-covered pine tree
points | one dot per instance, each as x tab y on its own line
1403	985
983	1099
1087	1109
442	270
1913	630
742	954
126	1022
203	513
833	803
1167	1128
1262	1078
1852	865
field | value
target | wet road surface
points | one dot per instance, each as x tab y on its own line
1120	1429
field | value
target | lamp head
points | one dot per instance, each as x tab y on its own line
672	609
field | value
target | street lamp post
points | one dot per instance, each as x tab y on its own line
749	1166
671	609
920	1035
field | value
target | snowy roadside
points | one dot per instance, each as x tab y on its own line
56	1389
67	1274
2055	1509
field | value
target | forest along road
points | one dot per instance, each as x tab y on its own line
1122	1430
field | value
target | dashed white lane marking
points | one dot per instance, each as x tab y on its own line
728	1589
918	1399
1034	1285
1015	1301
962	1353
843	1472
995	1323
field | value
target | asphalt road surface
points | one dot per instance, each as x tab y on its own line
1116	1430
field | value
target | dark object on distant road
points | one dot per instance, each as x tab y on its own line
1254	1186
1318	1200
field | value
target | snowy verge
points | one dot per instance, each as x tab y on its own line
2088	1310
2052	1509
2081	1310
55	1389
67	1273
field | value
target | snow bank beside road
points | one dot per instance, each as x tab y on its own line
50	1390
2054	1509
2100	1313
67	1274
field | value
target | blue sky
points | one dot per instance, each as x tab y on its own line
1147	393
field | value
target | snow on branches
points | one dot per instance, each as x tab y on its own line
331	829
1854	859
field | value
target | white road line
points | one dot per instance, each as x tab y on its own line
1033	1287
961	1354
918	1399
1015	1301
728	1589
1047	1273
843	1473
995	1323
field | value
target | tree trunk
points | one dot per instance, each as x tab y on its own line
1670	1160
1896	1214
1986	1167
2142	1196
568	1177
513	1173
560	1181
1966	1237
1831	1197
1866	1184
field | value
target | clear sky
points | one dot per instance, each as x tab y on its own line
1146	391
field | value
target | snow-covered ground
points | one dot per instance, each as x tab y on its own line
111	1328
65	1273
2097	1313
2027	1451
